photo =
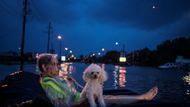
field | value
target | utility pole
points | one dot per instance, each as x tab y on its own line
123	48
25	10
49	33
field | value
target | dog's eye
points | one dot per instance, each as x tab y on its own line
92	72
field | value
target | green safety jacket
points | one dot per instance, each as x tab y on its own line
58	90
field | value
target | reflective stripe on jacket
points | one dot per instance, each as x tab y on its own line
57	89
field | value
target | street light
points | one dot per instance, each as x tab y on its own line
70	51
66	49
19	50
103	51
59	37
93	54
116	43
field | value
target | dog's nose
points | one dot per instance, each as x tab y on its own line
95	76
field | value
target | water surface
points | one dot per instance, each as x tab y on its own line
174	85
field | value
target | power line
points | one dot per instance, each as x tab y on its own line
11	7
6	8
35	11
39	15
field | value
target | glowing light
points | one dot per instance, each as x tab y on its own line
122	78
187	79
5	85
122	69
103	49
71	51
25	103
153	6
59	37
115	83
116	43
63	58
66	49
187	92
72	56
17	72
115	75
122	59
99	53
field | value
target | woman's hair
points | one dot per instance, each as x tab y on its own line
45	59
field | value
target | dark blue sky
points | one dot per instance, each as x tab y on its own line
89	25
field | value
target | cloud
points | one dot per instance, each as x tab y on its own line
56	11
139	13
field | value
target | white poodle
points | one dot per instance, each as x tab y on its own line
94	76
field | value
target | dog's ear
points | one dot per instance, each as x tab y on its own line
85	76
103	76
86	72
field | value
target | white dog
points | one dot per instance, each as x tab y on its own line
94	76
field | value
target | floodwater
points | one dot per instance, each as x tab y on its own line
174	85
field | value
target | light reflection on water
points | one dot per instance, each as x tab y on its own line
119	77
187	80
122	78
115	76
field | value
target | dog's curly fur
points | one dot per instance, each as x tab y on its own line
94	76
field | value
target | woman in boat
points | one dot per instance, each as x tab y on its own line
61	93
